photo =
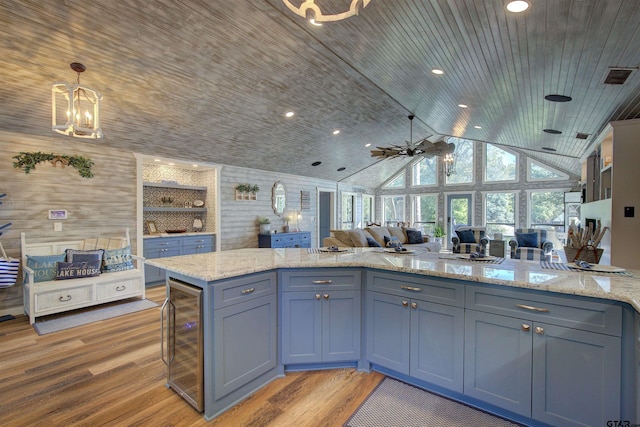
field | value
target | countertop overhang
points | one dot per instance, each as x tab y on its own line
214	266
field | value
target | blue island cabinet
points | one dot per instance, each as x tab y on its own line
320	317
554	359
412	332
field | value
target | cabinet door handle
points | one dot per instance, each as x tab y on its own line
326	296
405	303
526	327
414	305
64	299
121	288
533	308
322	282
410	288
247	291
318	296
539	330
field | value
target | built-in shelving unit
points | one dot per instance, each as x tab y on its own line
181	198
176	186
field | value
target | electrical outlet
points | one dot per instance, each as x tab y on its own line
57	226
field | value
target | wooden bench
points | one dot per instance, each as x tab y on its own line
55	296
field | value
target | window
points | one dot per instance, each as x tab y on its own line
395	182
425	209
425	171
500	213
368	209
393	209
464	162
536	171
546	208
348	206
499	164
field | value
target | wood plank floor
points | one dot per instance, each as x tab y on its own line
110	373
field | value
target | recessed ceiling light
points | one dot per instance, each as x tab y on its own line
518	6
478	127
367	145
341	169
316	163
195	166
558	98
157	160
549	149
171	164
437	71
336	132
552	131
463	106
289	114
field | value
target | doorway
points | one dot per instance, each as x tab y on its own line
459	213
325	214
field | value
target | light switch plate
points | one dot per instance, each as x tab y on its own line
57	226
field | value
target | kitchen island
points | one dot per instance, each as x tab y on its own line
550	328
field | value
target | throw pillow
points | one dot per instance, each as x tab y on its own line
466	236
343	236
378	233
414	236
391	241
117	260
77	255
75	270
358	238
373	243
43	266
527	239
399	233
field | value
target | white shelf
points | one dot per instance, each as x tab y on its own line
176	186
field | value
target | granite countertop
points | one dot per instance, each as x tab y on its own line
192	233
523	274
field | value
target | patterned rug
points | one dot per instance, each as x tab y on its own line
394	403
59	322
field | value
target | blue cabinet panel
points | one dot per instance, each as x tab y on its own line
341	326
388	321
300	239
301	327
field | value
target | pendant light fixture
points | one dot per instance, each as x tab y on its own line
75	109
449	162
313	10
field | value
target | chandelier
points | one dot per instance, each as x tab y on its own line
312	11
423	147
75	108
449	162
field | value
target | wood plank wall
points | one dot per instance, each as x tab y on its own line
104	205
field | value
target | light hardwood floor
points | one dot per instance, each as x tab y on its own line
110	373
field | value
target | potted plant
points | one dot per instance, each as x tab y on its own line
264	224
438	233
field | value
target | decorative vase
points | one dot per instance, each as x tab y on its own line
265	228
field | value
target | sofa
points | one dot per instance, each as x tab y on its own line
380	237
469	239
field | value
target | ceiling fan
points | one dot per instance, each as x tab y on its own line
424	147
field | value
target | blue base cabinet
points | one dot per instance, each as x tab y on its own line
162	247
298	239
320	316
553	373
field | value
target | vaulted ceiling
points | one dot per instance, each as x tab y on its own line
210	81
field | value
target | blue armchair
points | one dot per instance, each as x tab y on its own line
531	244
469	239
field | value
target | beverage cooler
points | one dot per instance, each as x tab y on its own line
181	342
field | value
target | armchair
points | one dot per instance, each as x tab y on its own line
469	239
531	244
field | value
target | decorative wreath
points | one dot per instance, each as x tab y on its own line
28	161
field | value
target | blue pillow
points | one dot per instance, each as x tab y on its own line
43	266
527	239
117	260
373	243
414	236
75	270
77	255
466	236
391	242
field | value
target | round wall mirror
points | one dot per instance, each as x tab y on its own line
279	198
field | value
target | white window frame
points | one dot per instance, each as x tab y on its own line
414	220
563	176
485	169
353	210
516	211
542	190
413	173
383	220
473	169
373	207
393	178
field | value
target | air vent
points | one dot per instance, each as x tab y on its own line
582	135
618	76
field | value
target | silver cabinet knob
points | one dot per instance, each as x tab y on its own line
526	327
414	305
539	330
318	296
405	303
326	296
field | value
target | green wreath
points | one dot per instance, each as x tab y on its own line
28	161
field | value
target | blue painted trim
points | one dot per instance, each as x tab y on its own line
319	366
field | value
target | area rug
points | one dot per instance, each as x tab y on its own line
57	323
394	403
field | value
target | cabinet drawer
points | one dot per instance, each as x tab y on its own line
234	291
431	289
320	278
118	289
69	297
584	314
206	240
162	242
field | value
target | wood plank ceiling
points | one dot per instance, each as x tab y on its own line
210	81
